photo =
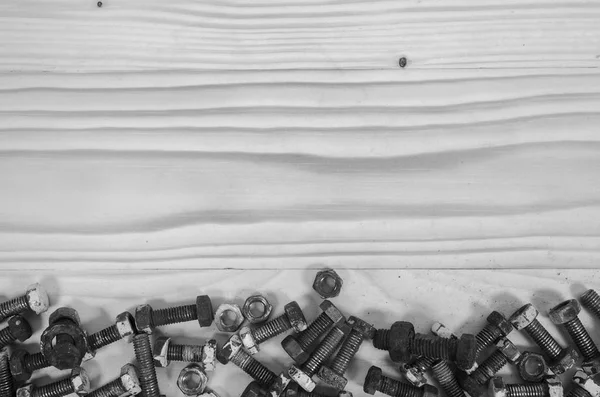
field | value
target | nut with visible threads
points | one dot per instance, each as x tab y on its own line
267	308
532	367
298	346
328	283
565	314
18	330
127	384
192	380
71	341
375	381
223	320
146	370
147	318
35	299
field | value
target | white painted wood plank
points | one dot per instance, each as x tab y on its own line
69	35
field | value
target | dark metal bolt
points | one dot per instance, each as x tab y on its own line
7	387
127	384
147	318
415	371
18	329
497	327
124	327
22	364
591	301
375	381
445	377
77	383
526	319
296	391
264	376
551	387
292	318
147	372
35	299
565	314
462	351
489	367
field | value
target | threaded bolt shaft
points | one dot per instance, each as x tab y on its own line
381	339
349	348
487	336
441	348
578	391
57	389
423	363
314	331
445	377
582	338
591	301
7	387
104	337
543	339
6	337
114	388
14	306
272	328
255	369
395	388
174	315
35	361
527	390
489	367
323	351
186	353
146	370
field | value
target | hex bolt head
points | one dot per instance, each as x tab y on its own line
160	352
37	298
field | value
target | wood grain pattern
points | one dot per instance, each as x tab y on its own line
76	36
441	169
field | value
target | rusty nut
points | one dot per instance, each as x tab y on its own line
265	312
224	322
192	380
328	283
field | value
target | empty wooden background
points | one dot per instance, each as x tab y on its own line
247	144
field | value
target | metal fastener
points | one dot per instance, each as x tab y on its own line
147	372
71	340
166	351
192	380
532	367
18	329
566	314
123	328
34	299
127	384
446	379
146	318
78	382
375	381
328	283
265	312
552	387
7	387
497	327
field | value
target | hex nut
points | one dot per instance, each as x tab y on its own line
209	355
248	340
497	386
19	328
372	380
247	309
143	318
222	318
295	316
80	381
332	312
204	310
64	321
523	316
280	384
532	367
497	319
567	360
129	379
555	387
192	380
322	286
510	351
161	347
67	313
564	311
302	379
125	325
400	336
25	391
17	365
294	350
37	298
334	380
364	328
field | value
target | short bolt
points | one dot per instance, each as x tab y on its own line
526	319
77	383
34	299
147	372
565	314
591	301
146	318
375	381
551	387
127	384
489	367
7	387
334	374
18	329
166	351
292	318
298	346
22	364
304	373
446	379
497	327
124	327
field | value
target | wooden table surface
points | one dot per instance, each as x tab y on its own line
247	144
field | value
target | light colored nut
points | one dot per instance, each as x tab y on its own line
328	283
266	312
129	380
37	298
248	340
302	379
192	380
80	381
224	322
125	325
161	347
209	355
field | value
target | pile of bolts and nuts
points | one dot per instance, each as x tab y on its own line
321	350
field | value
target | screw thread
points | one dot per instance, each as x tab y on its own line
591	301
445	377
114	388
323	351
423	363
543	339
489	367
582	339
186	353
578	391
104	337
255	369
527	390
314	331
381	339
56	389
13	306
146	372
271	328
349	348
7	387
487	336
174	315
35	361
6	337
425	345
395	388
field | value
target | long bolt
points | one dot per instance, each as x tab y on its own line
185	353
323	351
127	384
147	372
280	324
376	381
264	376
565	313
65	386
527	390
591	301
445	377
536	331
488	368
34	299
7	388
314	331
360	330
